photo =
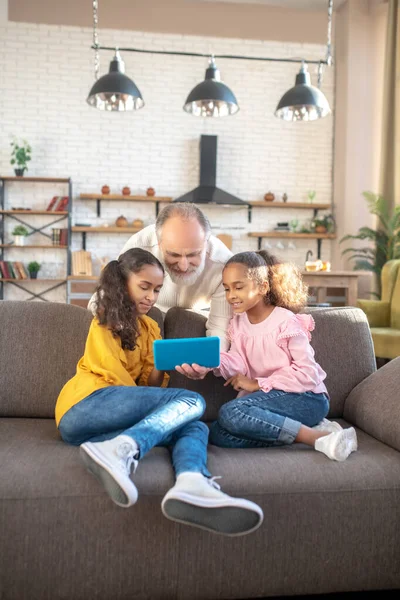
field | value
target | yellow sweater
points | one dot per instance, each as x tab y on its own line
105	363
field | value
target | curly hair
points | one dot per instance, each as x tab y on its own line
285	286
113	305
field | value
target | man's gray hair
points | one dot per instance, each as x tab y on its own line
187	211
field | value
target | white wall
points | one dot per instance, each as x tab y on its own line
47	72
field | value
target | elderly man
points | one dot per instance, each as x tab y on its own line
193	259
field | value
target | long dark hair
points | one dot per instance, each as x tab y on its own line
113	306
285	286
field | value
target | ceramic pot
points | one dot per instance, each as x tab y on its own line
121	221
269	197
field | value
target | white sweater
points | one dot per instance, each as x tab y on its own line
206	292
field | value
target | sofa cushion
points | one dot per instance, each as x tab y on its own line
40	345
342	344
36	463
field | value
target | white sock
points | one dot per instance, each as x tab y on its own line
338	445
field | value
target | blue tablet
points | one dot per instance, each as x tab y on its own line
203	351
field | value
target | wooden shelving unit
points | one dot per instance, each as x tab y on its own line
55	215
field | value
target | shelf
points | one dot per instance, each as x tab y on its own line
29	280
34	246
122	197
112	229
273	204
83	277
289	234
51	213
36	179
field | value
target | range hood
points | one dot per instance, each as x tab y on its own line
207	192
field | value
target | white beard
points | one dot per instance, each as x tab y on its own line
187	278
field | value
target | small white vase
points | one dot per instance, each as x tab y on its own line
19	240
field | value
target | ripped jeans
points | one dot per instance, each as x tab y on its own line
152	416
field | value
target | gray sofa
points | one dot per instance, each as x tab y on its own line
328	526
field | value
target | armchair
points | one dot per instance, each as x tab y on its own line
384	315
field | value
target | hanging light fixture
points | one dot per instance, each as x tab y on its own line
211	97
303	102
115	91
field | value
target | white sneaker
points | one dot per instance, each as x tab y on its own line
326	425
198	501
111	462
338	445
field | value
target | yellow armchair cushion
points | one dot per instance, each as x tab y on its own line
377	311
386	341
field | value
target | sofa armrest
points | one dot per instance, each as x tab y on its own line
374	404
378	312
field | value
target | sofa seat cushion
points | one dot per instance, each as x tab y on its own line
37	464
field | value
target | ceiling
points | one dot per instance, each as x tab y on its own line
297	4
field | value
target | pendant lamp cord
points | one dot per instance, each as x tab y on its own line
96	39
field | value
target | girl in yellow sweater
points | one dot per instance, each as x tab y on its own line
116	411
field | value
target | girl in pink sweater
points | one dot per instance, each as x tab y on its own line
282	396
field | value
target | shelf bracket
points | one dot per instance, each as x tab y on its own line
259	242
249	213
83	240
157	208
319	243
98	202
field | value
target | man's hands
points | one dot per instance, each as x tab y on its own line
241	382
193	371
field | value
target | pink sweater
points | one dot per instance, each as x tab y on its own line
277	352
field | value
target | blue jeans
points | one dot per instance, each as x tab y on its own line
263	419
152	416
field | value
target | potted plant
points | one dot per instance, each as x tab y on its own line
20	155
33	268
311	195
325	224
19	232
384	241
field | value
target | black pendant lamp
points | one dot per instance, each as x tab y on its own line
303	102
211	97
115	91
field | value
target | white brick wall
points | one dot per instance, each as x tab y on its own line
45	75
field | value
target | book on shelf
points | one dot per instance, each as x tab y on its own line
4	270
13	270
59	236
58	204
52	203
